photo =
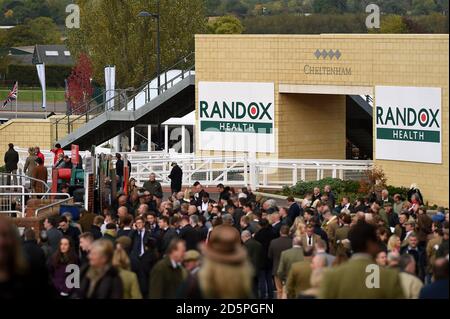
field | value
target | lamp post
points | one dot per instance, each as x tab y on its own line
158	39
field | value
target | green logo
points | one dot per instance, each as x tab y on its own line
425	118
223	116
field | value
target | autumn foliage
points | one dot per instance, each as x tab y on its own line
79	85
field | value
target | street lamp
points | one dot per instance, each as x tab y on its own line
156	16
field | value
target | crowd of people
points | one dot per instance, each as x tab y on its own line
228	244
188	245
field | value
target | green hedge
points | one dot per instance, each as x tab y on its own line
338	186
27	74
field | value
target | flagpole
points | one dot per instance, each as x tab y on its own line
17	97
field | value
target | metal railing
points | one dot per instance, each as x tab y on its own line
8	199
239	171
256	173
37	211
83	107
20	179
123	102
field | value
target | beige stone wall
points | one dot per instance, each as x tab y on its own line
311	126
24	133
397	60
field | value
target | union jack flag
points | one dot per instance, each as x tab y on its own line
12	96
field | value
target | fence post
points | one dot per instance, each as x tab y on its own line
225	172
294	175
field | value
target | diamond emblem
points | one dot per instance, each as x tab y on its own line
331	54
317	54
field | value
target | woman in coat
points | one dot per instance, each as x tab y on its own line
30	162
58	263
129	279
39	173
101	280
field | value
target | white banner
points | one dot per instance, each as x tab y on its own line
41	74
237	116
110	85
408	124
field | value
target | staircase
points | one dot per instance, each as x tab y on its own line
149	104
360	124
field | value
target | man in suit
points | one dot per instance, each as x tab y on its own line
309	239
276	247
276	223
264	236
189	234
168	274
294	209
330	225
410	227
125	226
349	280
167	233
418	252
255	254
70	231
139	237
385	198
289	257
299	277
342	244
53	234
321	250
345	204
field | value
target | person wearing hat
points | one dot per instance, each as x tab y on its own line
191	261
176	178
226	272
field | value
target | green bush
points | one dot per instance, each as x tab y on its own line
27	74
403	191
337	185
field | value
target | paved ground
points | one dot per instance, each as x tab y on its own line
23	115
57	107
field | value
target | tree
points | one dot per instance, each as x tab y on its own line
226	25
422	7
37	31
393	24
79	85
113	34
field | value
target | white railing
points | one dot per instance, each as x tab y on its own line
255	173
233	171
9	197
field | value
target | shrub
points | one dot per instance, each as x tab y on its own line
403	191
337	185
